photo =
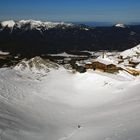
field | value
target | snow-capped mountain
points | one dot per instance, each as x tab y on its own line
37	37
120	25
33	24
9	23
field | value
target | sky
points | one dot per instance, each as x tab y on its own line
71	10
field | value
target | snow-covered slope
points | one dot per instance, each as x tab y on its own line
66	106
135	51
62	105
64	54
4	53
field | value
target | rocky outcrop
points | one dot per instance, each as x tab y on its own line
36	65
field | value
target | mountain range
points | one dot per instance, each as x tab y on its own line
30	37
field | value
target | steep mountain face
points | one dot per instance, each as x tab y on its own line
35	37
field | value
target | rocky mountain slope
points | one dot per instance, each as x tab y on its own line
36	66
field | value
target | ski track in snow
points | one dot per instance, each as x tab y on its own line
68	136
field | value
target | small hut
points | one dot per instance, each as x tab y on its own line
80	68
111	68
96	65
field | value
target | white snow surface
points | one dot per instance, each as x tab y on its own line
8	23
135	51
138	66
120	25
105	106
4	53
64	54
105	60
33	24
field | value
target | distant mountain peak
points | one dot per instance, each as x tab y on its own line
120	25
8	23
